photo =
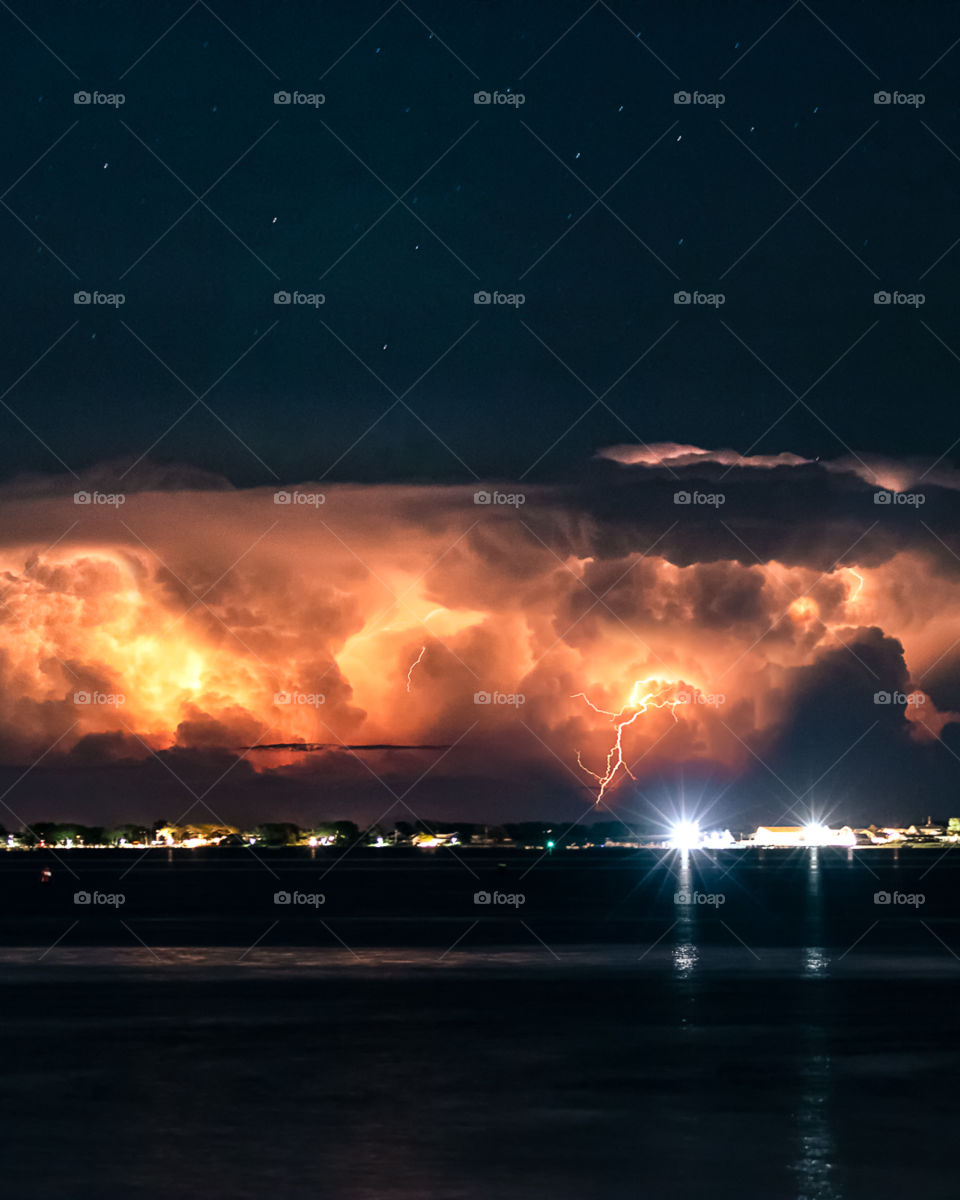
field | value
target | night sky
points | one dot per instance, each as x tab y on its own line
400	198
788	195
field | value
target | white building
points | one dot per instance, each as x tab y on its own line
803	835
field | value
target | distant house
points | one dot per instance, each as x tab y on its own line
429	840
779	835
803	835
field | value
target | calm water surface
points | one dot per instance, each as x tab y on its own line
690	1059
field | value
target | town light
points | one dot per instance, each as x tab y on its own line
815	834
685	835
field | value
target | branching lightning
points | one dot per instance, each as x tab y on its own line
646	694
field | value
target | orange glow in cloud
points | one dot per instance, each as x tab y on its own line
805	608
210	620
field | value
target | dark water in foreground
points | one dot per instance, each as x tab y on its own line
435	899
697	1054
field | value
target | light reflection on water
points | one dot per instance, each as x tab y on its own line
685	952
816	1150
685	958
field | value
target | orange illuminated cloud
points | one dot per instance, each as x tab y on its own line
218	619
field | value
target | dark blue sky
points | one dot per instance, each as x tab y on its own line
491	198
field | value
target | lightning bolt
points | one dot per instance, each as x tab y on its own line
642	698
859	579
417	660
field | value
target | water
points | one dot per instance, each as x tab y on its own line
397	897
703	1051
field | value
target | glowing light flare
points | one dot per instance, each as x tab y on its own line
685	835
804	608
815	834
